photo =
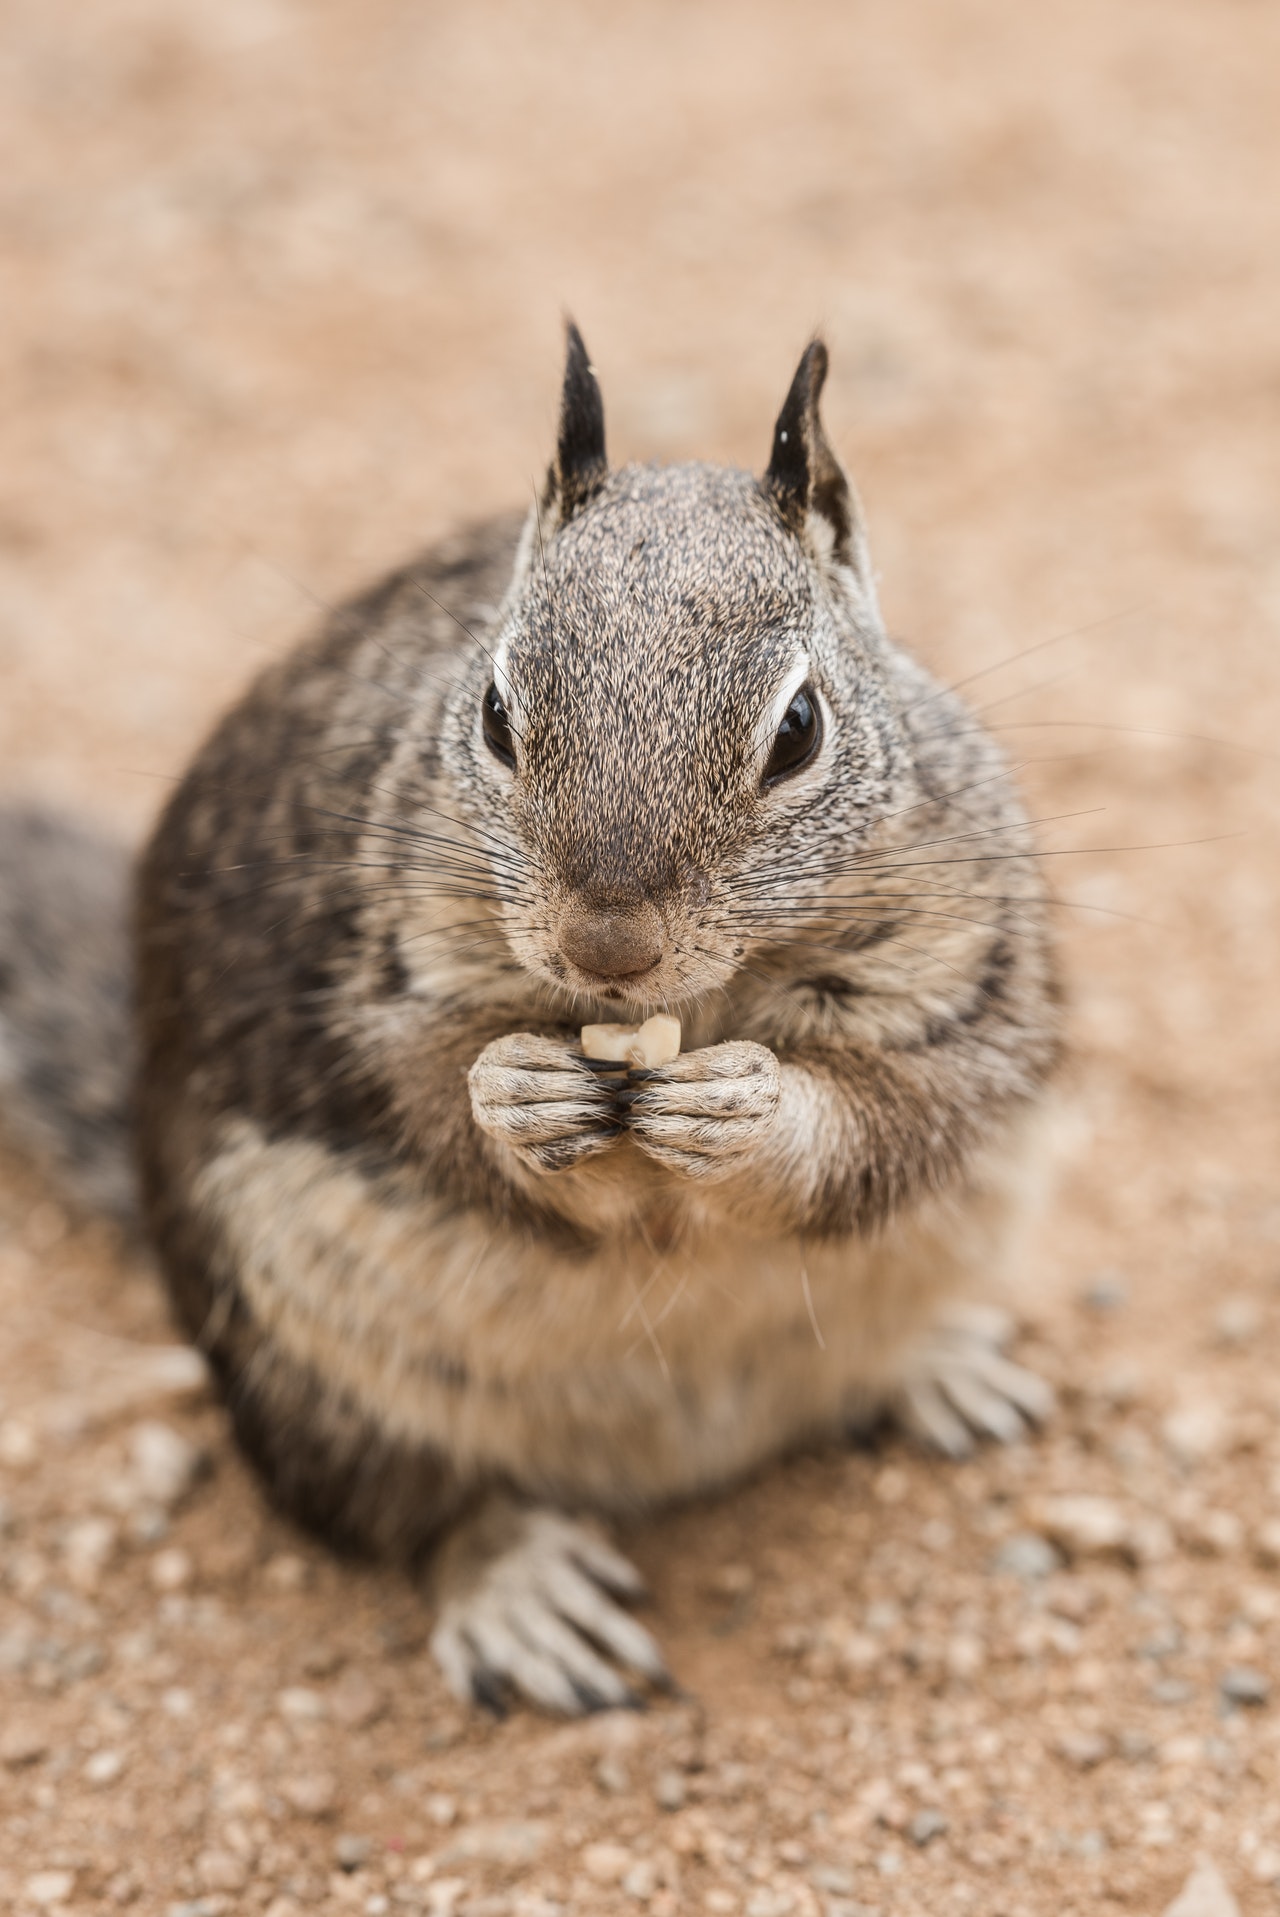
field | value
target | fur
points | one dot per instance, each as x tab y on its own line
439	1262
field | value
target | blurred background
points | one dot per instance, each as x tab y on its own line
282	298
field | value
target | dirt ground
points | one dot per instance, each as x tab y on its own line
282	295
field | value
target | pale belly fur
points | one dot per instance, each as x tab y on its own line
623	1378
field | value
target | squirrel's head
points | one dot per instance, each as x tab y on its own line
681	724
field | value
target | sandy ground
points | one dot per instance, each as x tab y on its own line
282	287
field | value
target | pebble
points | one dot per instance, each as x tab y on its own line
286	1571
1266	1543
514	1842
163	1464
172	1569
1194	1433
1083	1749
87	1547
1026	1555
1205	1894
221	1870
1106	1291
441	1809
925	1826
104	1767
311	1793
18	1447
1242	1684
670	1791
1086	1527
606	1863
352	1852
301	1704
22	1744
1236	1322
46	1887
1214	1533
641	1881
613	1777
356	1701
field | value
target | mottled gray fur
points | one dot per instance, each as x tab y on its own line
450	1275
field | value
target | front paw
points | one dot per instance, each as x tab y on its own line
537	1097
708	1111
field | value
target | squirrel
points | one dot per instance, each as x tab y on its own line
648	747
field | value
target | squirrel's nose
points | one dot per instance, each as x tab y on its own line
612	941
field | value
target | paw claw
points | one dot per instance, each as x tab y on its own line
960	1386
541	1619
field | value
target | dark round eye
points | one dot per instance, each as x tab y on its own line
798	738
497	727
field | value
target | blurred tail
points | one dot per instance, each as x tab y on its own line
66	1036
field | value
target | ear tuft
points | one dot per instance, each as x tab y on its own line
804	476
580	466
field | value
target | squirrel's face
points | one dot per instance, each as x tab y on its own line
679	729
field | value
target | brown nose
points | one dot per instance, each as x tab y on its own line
613	942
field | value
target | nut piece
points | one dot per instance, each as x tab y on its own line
656	1042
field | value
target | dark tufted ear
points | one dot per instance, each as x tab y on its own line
580	466
805	480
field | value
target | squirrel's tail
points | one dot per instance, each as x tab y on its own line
66	1036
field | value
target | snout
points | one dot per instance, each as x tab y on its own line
613	942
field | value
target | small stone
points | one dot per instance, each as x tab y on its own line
164	1464
352	1852
87	1546
1171	1690
669	1791
22	1744
1242	1684
1026	1555
172	1569
356	1701
514	1842
1087	1527
1205	1894
1194	1433
301	1704
221	1870
441	1809
1213	1533
732	1581
606	1863
833	1878
1264	1865
286	1571
1105	1292
965	1656
19	1450
1266	1544
45	1887
1083	1749
613	1776
641	1880
104	1767
925	1826
311	1794
1236	1322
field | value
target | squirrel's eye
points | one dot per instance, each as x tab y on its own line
497	727
798	738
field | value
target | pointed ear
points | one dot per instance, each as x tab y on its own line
580	466
806	481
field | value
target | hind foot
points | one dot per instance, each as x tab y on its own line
958	1387
529	1607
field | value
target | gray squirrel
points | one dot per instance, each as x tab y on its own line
466	1294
